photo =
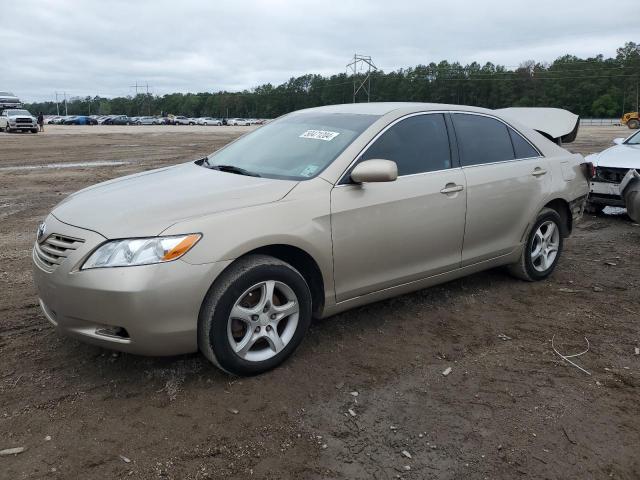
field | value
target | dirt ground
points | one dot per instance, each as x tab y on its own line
510	408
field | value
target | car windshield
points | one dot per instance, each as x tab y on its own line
18	112
634	140
297	147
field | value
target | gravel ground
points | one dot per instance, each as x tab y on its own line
364	397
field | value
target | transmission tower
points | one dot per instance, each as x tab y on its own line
362	65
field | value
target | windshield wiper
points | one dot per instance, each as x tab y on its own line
230	169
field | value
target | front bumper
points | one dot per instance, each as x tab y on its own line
156	305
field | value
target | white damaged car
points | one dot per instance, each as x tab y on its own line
617	177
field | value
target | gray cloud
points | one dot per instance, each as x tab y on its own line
94	47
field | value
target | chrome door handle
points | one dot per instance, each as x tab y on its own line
538	172
452	188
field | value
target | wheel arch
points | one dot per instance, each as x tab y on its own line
301	261
563	209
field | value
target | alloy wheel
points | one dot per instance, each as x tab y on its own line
544	248
263	321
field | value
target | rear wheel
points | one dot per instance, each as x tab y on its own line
633	124
254	316
542	249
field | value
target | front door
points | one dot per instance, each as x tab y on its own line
387	234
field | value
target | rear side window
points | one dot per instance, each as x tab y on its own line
417	144
482	139
522	148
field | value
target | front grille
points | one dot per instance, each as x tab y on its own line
53	251
24	120
610	175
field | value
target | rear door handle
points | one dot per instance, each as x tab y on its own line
538	172
451	188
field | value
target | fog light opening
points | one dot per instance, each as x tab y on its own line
117	332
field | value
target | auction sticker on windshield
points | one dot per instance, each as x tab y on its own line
320	135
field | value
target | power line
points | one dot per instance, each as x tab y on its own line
584	77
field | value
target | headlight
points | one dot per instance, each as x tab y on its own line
141	251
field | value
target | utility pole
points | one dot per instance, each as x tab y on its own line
66	112
148	100
365	64
136	87
57	106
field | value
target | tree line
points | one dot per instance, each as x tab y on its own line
591	87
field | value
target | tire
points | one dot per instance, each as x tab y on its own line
532	267
595	208
632	201
7	129
633	124
247	280
34	130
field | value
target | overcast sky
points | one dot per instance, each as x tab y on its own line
102	47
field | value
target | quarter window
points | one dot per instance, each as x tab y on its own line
417	144
482	139
522	148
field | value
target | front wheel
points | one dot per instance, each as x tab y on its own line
633	124
542	249
254	316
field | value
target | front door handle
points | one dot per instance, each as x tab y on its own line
538	172
451	188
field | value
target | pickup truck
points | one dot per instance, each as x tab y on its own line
16	119
9	100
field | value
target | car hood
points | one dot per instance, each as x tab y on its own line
619	156
147	203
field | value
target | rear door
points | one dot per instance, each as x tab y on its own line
507	179
386	234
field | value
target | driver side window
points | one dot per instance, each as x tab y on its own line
417	144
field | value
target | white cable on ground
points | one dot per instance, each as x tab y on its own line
567	357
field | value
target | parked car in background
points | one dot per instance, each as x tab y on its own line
79	120
238	122
617	177
319	211
120	120
181	120
146	121
18	120
209	121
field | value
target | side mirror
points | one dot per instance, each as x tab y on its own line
618	141
375	171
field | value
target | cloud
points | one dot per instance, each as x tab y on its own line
103	47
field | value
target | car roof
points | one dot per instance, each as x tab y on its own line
382	108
